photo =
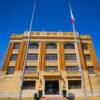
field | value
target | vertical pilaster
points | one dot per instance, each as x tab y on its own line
62	56
82	56
8	55
93	56
85	72
20	55
42	56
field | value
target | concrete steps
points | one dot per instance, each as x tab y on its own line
52	97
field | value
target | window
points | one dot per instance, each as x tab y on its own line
10	70
85	46
29	85
90	69
74	84
70	56
51	46
32	57
30	69
51	68
51	56
33	46
87	57
71	68
69	46
16	45
13	57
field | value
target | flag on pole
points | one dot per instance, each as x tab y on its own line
72	17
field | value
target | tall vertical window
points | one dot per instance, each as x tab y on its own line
85	46
51	56
74	84
13	57
70	56
69	46
30	69
90	69
87	57
51	46
27	85
33	46
32	57
10	70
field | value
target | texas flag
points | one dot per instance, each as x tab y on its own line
72	17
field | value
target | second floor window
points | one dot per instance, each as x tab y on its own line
71	68
70	56
51	68
16	46
33	46
32	57
10	70
13	57
51	56
30	69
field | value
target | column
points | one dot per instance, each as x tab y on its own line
20	57
8	55
93	56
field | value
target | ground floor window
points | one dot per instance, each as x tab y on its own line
29	85
74	84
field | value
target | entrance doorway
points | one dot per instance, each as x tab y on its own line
51	87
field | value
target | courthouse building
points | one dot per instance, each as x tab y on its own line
51	65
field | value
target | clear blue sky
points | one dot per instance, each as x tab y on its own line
50	15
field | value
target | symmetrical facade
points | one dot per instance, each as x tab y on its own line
51	65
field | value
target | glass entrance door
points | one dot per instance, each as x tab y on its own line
51	87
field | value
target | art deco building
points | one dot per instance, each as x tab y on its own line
51	65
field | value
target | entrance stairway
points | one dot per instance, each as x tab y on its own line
52	97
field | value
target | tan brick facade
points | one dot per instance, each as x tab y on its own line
43	74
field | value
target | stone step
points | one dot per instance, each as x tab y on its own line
52	97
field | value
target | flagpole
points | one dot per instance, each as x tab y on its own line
78	58
23	71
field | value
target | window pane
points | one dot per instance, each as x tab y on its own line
29	85
71	68
51	68
74	84
51	46
69	46
16	45
51	56
32	57
90	69
85	46
87	57
13	57
33	46
30	69
70	56
10	70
